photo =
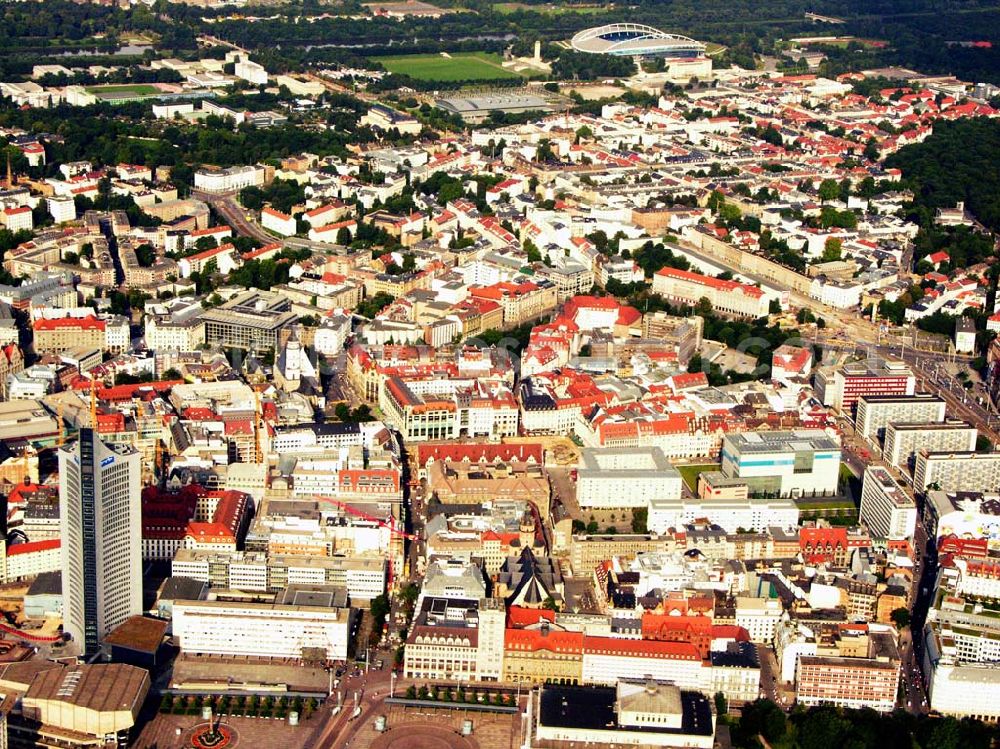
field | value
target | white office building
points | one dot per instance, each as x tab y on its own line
964	690
786	464
611	478
885	508
101	532
264	630
759	617
731	514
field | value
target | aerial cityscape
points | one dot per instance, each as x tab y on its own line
465	374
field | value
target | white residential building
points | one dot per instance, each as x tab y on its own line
251	71
960	471
61	209
18	219
331	334
278	222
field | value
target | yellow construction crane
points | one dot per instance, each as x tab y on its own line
257	428
61	439
93	402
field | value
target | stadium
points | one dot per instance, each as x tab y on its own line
636	40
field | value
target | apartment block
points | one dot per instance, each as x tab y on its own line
902	441
957	472
876	412
885	508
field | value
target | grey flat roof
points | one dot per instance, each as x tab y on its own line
763	442
468	104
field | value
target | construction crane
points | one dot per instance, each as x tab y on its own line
389	524
258	425
61	439
93	402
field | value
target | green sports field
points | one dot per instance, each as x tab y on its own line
136	89
461	66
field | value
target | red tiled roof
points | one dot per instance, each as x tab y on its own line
480	453
641	648
519	617
77	323
220	250
536	639
716	283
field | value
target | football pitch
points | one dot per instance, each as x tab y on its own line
461	66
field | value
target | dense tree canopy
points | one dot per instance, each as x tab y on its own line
956	163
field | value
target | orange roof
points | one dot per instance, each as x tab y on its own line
658	626
716	283
276	213
220	250
536	639
208	533
210	231
519	617
641	648
77	323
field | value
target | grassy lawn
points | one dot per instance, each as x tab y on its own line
462	66
549	9
807	505
139	89
690	473
846	474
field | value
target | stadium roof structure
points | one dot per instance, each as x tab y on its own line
635	40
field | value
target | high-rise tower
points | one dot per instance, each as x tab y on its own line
100	525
